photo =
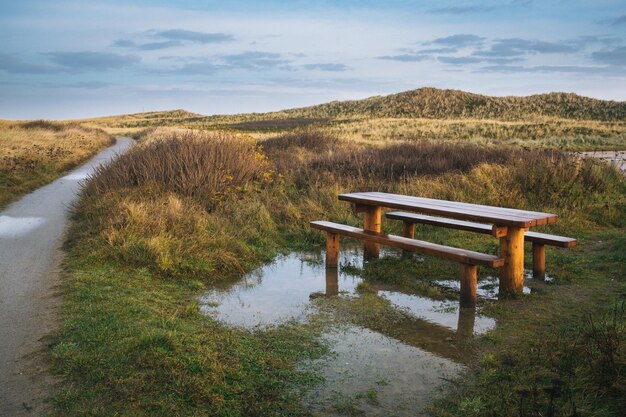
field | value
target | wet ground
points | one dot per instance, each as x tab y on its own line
31	233
387	363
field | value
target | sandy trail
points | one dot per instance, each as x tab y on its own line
31	234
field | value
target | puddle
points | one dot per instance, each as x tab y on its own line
487	288
371	374
376	367
444	313
278	292
77	176
11	227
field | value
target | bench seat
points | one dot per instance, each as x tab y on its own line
543	238
538	239
420	246
467	259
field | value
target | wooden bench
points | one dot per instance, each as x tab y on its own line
468	260
539	240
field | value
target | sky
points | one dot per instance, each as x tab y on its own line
65	59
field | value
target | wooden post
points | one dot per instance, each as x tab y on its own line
371	223
408	231
465	323
512	272
468	285
539	261
332	250
332	282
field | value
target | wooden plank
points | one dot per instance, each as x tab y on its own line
458	210
440	221
546	239
449	203
456	254
462	214
507	213
552	240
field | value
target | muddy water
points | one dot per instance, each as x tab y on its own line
374	368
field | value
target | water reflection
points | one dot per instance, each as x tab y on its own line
400	361
376	375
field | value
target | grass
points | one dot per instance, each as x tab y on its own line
555	120
145	243
35	153
560	351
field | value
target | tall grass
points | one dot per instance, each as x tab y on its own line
201	165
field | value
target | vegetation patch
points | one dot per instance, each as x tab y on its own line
35	153
184	210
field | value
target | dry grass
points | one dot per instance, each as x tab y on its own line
34	153
203	165
532	132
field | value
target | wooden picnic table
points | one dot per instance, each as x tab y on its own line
508	224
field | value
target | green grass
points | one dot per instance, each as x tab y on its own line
135	344
559	351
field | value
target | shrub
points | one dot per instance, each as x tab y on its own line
203	165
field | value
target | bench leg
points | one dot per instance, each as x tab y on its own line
512	272
332	250
408	231
465	323
332	282
468	285
372	222
539	261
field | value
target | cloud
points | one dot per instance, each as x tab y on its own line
195	37
566	69
412	57
13	64
124	43
85	85
517	47
327	67
621	20
616	56
460	60
163	39
459	41
249	60
462	9
255	60
91	61
159	45
194	68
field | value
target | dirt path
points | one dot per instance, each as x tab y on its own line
31	233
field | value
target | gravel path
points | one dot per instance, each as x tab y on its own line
31	234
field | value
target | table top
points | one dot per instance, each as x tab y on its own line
463	211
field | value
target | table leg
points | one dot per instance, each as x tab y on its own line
372	222
512	250
332	282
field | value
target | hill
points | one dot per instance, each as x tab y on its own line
447	104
